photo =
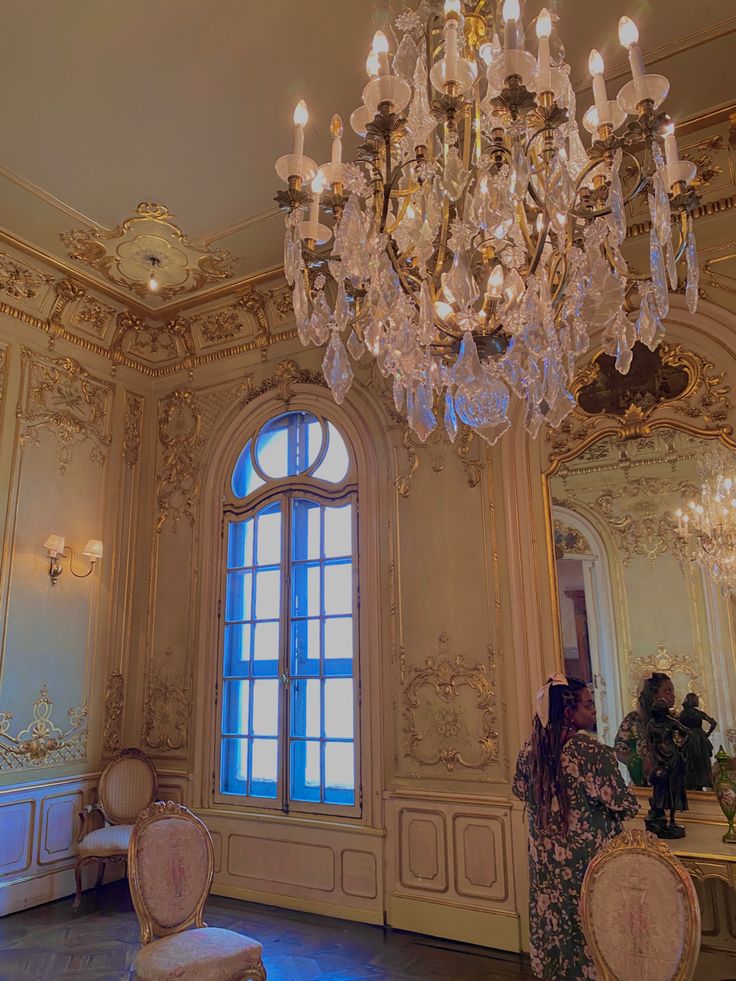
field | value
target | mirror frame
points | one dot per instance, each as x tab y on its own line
702	409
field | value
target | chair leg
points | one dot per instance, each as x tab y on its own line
100	874
78	879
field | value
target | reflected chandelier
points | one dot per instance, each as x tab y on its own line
475	244
708	525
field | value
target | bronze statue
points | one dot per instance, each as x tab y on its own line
698	748
666	771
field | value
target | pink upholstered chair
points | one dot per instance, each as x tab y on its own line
170	867
640	912
127	786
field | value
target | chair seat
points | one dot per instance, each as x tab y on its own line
207	954
113	840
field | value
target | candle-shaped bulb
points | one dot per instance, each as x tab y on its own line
336	130
371	64
380	43
443	310
671	152
453	7
627	32
595	63
511	10
495	282
301	115
544	23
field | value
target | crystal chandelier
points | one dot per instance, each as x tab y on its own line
475	243
707	526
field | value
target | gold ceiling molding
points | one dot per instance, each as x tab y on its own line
42	742
167	705
93	316
62	396
22	282
149	240
450	711
670	381
112	733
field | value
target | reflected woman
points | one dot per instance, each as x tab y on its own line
630	744
576	800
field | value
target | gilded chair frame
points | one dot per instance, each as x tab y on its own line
89	820
643	843
150	927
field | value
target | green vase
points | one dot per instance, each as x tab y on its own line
635	764
725	788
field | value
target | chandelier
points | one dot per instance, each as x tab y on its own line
707	527
475	243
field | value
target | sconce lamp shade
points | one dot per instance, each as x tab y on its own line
54	545
93	550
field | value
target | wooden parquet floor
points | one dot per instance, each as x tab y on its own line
49	943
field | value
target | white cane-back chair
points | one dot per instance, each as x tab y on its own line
170	868
640	912
127	786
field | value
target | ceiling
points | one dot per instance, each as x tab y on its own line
188	104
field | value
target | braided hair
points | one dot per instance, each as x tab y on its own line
546	775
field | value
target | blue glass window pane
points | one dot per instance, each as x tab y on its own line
305	590
338	596
338	531
289	444
306	708
305	529
338	697
266	647
237	649
245	479
338	650
268	594
240	544
339	773
265	707
336	463
235	708
238	600
306	771
234	766
269	536
305	646
264	768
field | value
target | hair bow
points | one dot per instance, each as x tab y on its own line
543	696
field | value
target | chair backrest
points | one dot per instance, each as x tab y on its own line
170	868
127	786
640	911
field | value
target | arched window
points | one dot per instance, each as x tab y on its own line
289	698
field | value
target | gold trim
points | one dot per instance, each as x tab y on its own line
642	843
41	742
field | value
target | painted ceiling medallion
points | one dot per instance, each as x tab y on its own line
127	254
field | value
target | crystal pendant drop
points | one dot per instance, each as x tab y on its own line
336	367
356	348
658	273
421	418
616	200
455	176
693	273
450	417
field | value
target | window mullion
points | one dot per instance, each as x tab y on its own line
284	652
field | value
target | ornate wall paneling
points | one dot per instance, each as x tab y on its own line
40	825
185	420
58	484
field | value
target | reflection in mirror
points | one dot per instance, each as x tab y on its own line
633	598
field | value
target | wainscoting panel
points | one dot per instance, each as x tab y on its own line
449	861
38	830
320	866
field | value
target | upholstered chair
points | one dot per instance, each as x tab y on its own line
640	912
170	867
127	786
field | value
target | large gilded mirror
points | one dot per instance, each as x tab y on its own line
638	587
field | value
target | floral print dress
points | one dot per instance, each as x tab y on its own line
598	802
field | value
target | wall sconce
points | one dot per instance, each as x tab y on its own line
56	548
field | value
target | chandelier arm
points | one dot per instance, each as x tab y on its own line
627	198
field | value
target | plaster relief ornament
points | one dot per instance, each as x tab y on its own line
149	255
476	243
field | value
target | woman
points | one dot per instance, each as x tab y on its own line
698	748
630	744
576	800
